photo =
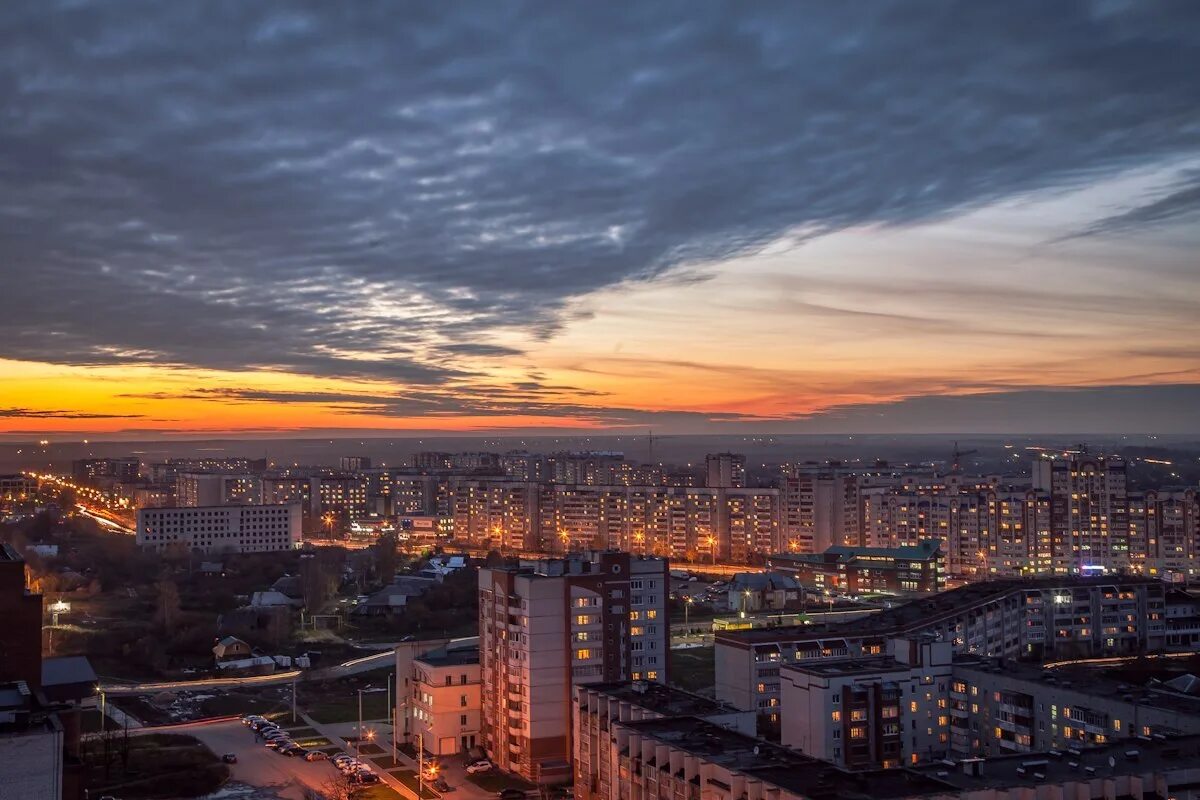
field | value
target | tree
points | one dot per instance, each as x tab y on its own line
385	557
168	604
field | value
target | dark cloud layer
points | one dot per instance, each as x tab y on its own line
31	413
233	185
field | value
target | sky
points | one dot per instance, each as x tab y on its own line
696	217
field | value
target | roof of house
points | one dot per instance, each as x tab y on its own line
762	581
67	669
229	641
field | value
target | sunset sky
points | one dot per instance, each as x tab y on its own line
696	217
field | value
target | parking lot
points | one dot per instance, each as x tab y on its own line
258	765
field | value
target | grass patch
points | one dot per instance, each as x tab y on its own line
378	792
409	779
312	742
693	669
496	781
370	749
344	708
151	766
386	763
224	705
302	730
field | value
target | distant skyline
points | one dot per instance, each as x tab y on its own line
891	217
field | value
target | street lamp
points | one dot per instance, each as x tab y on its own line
687	605
328	519
712	547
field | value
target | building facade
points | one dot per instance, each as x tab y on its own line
221	529
445	705
548	626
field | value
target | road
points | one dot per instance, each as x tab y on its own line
352	667
258	765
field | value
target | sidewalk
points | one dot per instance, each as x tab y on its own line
336	733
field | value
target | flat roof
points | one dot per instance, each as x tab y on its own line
854	666
1130	756
780	766
660	698
461	656
1086	680
925	610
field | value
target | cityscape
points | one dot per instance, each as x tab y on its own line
541	401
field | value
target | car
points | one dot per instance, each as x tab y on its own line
315	755
365	777
229	758
340	759
278	744
482	765
511	794
250	719
440	785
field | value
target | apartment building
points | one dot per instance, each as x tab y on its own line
918	568
1042	618
194	489
598	707
690	759
1089	511
870	713
221	529
444	710
94	471
17	486
725	471
548	626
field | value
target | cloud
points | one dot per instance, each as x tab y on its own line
356	192
31	413
1181	203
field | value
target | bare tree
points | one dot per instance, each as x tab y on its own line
168	604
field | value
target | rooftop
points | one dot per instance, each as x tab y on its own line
67	669
856	666
927	610
457	657
660	699
1086	680
1136	756
780	766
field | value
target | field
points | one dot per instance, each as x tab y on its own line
693	669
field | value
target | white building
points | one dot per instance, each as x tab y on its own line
221	529
872	712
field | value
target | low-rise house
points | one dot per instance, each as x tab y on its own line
764	591
231	648
272	598
394	597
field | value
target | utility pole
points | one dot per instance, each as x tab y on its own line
358	739
420	765
293	699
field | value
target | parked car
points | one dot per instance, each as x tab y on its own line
511	794
229	758
441	786
482	765
315	755
365	777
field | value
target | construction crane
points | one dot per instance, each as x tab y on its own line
956	464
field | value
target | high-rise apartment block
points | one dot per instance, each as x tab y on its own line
725	470
548	626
